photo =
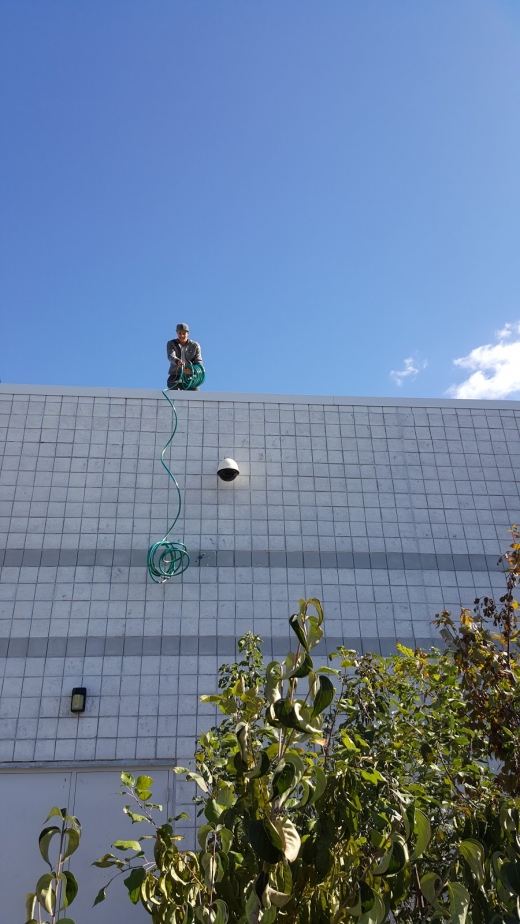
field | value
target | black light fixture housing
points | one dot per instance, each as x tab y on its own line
78	700
228	470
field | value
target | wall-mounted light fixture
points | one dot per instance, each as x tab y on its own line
228	470
78	699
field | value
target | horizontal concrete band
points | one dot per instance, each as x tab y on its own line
71	391
235	558
168	645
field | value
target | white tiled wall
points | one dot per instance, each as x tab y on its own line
427	491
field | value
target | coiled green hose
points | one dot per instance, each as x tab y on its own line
189	382
167	558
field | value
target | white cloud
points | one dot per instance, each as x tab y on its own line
411	370
495	367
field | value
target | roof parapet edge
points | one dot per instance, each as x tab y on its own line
252	398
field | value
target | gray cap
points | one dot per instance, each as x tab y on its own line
183	327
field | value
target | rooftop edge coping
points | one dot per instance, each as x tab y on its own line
253	398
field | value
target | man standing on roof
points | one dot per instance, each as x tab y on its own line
182	353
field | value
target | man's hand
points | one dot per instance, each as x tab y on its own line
187	370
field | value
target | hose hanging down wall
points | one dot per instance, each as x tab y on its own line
167	558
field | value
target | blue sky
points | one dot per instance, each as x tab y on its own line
328	192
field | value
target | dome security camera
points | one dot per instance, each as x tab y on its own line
228	470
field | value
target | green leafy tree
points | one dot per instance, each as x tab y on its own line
57	889
377	789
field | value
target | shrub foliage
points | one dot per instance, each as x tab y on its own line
369	790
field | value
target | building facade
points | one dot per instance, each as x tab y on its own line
387	510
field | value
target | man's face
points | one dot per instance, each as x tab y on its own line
182	336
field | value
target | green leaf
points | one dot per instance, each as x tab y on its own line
56	811
73	821
287	776
384	863
377	913
212	811
261	768
127	779
430	883
273	676
45	892
290	838
508	817
260	884
459	902
273	834
321	784
367	896
399	857
283	778
324	858
283	711
30	904
510	876
71	888
395	859
313	601
127	845
199	780
378	839
66	921
107	860
72	842
292	757
222	915
372	776
473	853
261	839
365	903
423	832
143	783
44	841
202	835
209	865
242	732
100	897
306	796
226	839
278	899
347	743
305	667
290	716
195	777
295	622
225	794
133	815
315	631
324	696
133	882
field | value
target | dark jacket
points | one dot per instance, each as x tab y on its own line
192	352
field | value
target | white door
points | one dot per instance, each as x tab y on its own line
103	821
26	799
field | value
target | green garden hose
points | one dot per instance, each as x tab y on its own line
196	378
167	558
